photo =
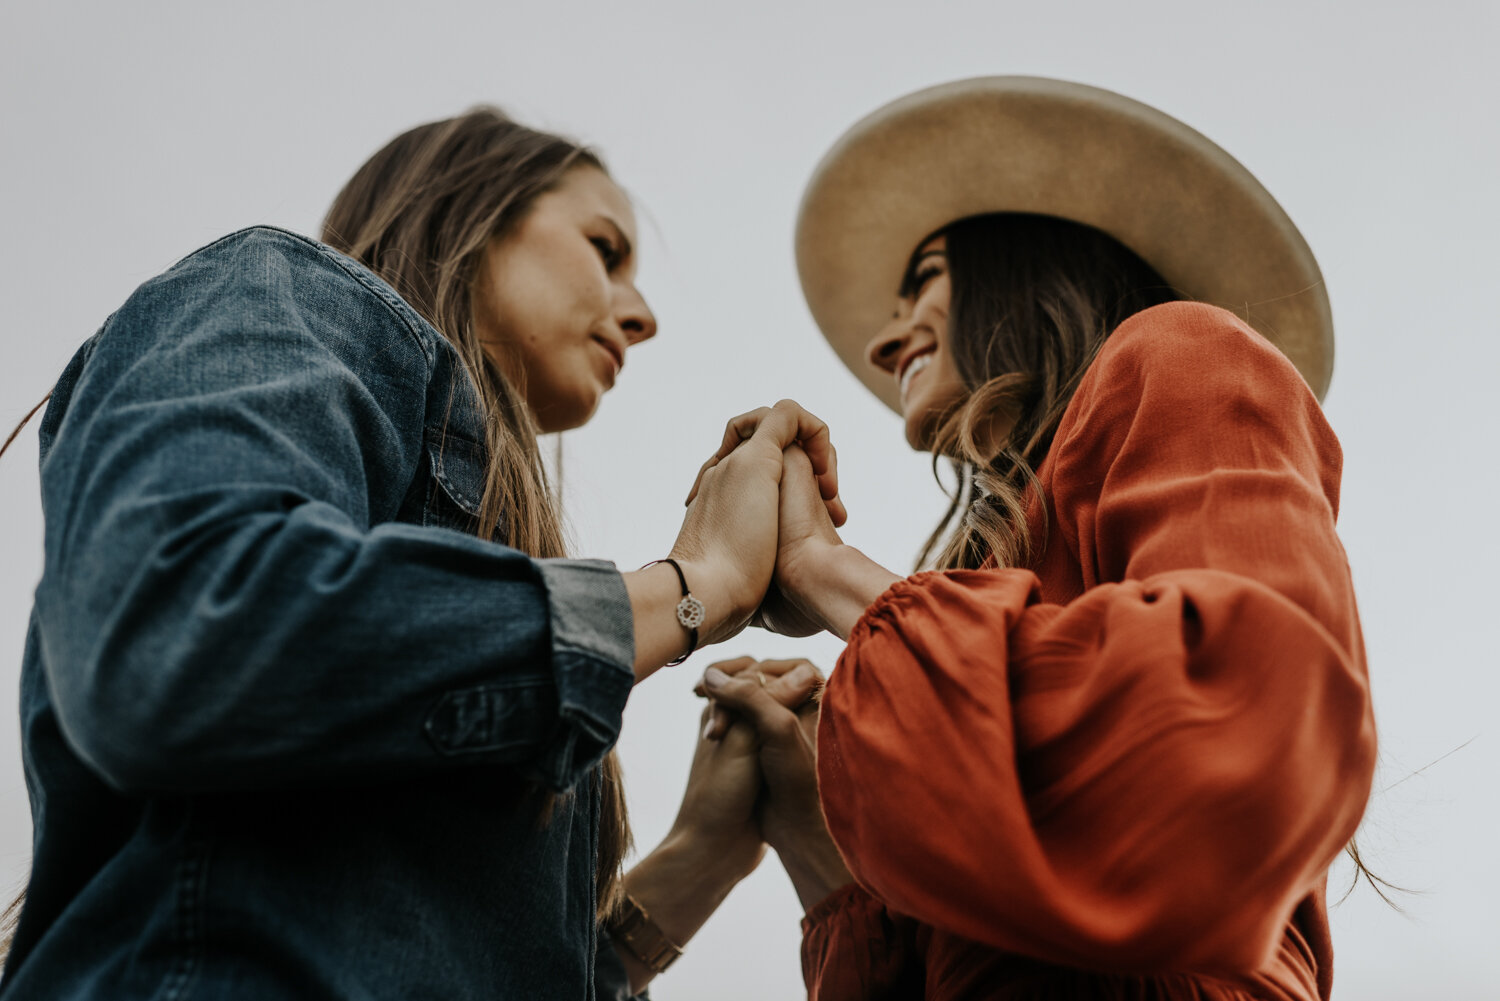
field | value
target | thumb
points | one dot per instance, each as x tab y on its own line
803	489
796	686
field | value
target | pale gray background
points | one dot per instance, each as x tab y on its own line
134	133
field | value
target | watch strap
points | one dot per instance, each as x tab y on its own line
633	928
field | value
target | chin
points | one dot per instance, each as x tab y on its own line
567	417
920	432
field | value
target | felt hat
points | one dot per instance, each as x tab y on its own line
1030	144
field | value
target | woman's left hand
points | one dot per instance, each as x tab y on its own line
715	841
717	815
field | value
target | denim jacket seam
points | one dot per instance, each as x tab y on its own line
191	881
397	306
584	713
393	303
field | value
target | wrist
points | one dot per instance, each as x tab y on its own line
721	615
656	595
815	868
832	583
682	882
689	610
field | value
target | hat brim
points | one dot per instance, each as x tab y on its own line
1030	144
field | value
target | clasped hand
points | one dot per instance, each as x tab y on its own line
754	775
764	508
761	509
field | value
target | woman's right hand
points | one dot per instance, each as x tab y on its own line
728	542
791	818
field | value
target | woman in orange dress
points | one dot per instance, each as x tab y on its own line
1109	748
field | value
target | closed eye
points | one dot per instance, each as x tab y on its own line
927	266
920	279
608	252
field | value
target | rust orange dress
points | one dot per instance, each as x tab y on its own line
1124	772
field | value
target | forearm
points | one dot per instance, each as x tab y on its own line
680	884
834	584
654	594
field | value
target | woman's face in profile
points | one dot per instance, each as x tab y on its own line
555	302
913	348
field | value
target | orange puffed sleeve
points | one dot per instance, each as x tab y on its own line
1148	773
853	949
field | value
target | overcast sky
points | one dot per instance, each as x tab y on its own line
134	133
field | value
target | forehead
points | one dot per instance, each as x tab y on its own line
585	193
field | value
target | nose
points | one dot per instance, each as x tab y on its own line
884	350
635	317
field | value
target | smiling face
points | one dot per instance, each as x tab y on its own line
555	303
914	347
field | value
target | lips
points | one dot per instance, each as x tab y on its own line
615	352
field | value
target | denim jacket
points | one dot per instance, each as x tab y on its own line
287	724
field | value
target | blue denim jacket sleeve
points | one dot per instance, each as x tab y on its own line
228	601
611	982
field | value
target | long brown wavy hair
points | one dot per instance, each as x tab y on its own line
1033	299
419	214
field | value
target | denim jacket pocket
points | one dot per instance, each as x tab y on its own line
457	482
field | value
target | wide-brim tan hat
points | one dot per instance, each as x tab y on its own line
1029	144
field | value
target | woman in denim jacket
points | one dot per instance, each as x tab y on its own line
313	703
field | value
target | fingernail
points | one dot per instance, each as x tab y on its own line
708	729
714	678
